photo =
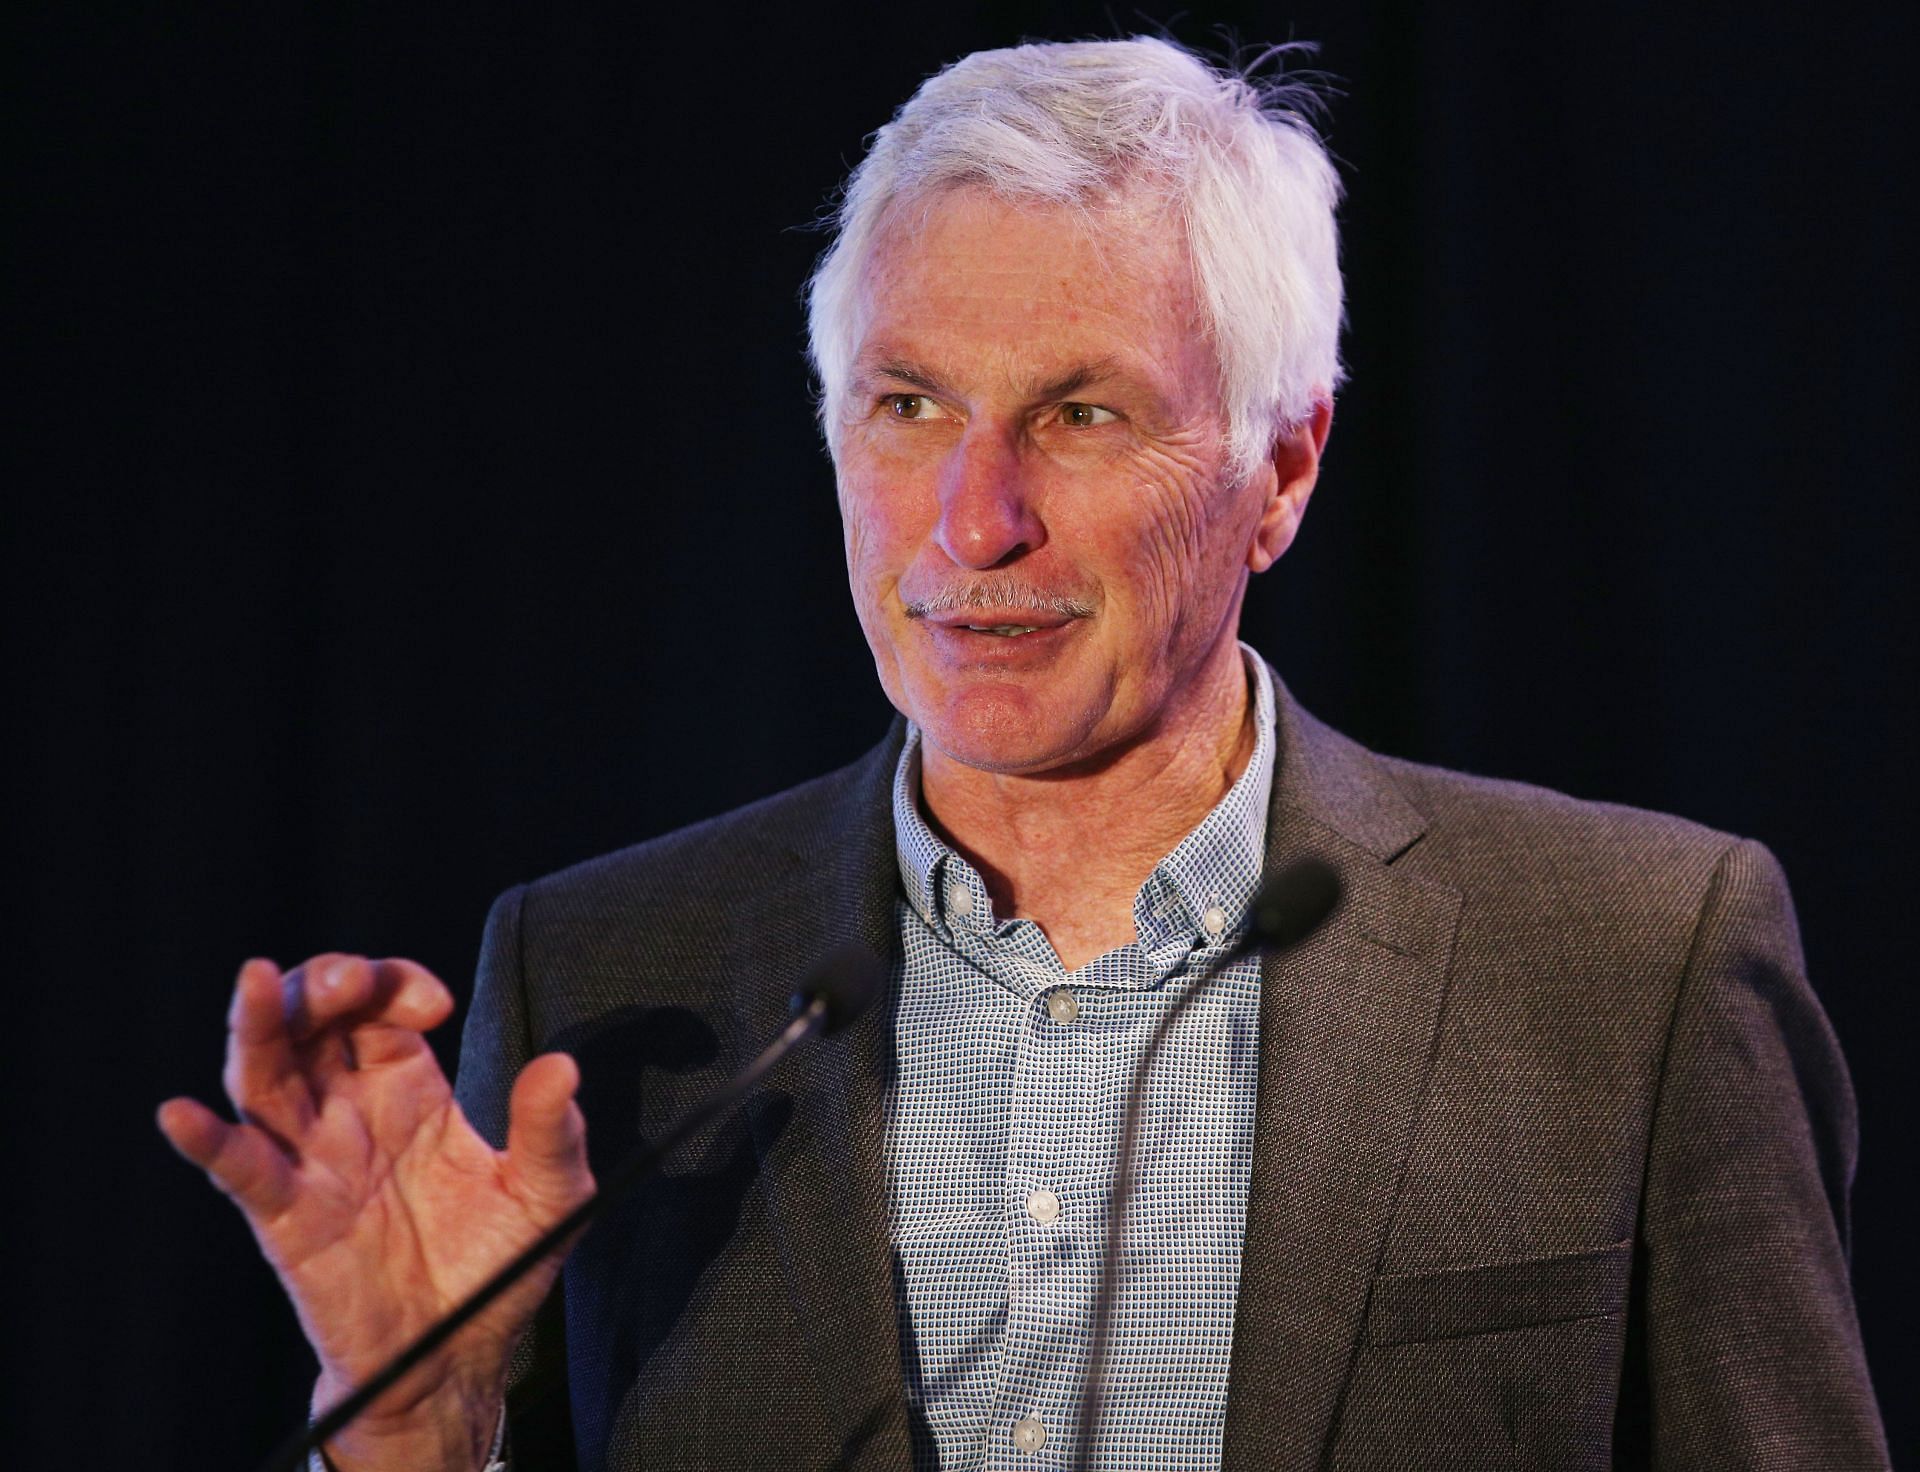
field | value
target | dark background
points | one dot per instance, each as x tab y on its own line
424	496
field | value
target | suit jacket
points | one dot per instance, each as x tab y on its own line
1552	1143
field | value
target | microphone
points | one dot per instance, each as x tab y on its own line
1286	909
842	984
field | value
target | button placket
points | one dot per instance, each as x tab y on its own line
1047	1124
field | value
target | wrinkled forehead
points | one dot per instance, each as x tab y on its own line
1029	284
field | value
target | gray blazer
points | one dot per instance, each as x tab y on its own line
1551	1154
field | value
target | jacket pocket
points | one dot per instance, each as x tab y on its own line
1408	1307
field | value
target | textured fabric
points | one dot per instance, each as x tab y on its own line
1013	1079
1535	1029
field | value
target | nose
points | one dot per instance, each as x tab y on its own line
987	512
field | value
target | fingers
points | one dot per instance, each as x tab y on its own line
290	1037
262	1076
319	992
349	1013
241	1160
405	1001
546	1133
334	989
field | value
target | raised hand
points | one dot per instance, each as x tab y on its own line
376	1202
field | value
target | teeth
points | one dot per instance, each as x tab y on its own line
1004	630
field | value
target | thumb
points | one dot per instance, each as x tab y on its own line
546	1132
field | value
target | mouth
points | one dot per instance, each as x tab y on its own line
999	623
1001	639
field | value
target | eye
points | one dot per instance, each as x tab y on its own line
1085	416
912	406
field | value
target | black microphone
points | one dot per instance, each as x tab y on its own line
841	986
1287	908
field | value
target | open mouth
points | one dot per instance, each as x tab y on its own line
1000	634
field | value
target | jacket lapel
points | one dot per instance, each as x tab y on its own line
1347	1026
820	1127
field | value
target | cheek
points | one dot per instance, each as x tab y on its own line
876	526
1169	561
853	534
860	507
869	577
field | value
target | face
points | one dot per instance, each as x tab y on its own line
1044	549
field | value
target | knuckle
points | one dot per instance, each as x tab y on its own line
311	974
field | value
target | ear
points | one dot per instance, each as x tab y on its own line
1289	474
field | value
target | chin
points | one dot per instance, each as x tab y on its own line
1001	729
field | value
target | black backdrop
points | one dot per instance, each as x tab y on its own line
424	496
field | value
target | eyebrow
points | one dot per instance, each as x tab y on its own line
1079	376
903	371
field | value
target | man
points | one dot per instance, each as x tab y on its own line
1535	1155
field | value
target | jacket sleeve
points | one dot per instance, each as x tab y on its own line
495	1045
1753	1353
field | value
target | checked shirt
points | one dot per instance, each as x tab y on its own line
1003	1128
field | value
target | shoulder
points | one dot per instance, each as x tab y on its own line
676	919
1603	883
729	857
1485	816
1482	833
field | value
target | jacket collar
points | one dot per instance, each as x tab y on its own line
1335	783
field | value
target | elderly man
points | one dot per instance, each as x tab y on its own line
1536	1155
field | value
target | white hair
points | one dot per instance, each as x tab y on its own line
1078	123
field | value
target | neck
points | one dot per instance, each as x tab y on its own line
1070	849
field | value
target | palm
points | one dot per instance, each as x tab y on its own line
402	1204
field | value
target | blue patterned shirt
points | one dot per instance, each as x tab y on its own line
1003	1130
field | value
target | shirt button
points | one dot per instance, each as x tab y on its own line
1028	1434
1214	921
959	901
1063	1005
1043	1207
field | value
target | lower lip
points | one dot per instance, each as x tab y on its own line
962	645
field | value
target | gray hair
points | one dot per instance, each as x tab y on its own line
1079	122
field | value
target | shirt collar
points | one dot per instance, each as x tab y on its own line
1196	895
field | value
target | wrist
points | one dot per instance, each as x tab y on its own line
453	1429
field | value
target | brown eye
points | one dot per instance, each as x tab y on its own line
1085	416
908	406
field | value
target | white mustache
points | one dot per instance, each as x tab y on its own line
1000	594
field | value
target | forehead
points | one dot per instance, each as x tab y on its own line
986	284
